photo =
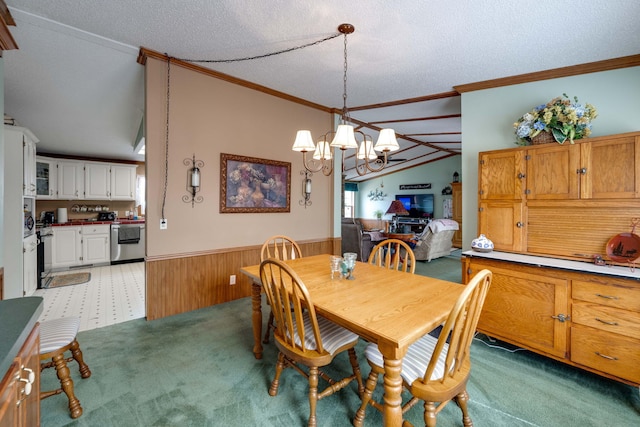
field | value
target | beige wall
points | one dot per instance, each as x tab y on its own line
209	116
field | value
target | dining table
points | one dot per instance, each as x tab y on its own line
390	308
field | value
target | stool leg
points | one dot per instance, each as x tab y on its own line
77	355
67	384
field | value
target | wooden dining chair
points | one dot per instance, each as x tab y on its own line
436	370
394	254
303	337
283	248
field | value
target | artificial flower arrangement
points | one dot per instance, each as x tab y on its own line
562	118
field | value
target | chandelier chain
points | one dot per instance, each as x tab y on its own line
266	55
345	111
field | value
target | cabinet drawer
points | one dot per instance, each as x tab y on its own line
96	229
606	352
610	295
605	318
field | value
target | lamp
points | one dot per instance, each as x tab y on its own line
306	189
396	208
456	177
193	180
344	138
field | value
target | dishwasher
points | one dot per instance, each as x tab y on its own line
127	242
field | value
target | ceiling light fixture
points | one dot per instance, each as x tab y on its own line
344	138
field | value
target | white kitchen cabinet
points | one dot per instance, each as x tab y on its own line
96	244
80	245
97	181
70	180
66	246
46	178
29	165
30	265
123	182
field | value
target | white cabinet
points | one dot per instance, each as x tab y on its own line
95	244
66	246
123	182
97	181
46	178
29	165
80	245
30	265
70	180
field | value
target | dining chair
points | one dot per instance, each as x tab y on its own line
304	338
436	370
394	254
283	248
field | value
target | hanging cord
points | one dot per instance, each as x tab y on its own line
212	61
249	58
345	111
166	138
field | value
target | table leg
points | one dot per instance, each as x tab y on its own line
392	414
256	303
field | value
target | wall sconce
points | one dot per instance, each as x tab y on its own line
193	180
306	189
456	177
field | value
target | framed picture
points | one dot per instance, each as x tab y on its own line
252	185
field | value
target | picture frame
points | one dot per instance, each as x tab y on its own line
253	185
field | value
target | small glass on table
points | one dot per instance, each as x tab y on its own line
336	263
350	264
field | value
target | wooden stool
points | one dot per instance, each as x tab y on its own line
56	337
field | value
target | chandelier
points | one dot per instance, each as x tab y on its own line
344	138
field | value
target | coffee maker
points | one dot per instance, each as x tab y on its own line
48	217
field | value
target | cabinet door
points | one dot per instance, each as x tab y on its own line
66	246
502	175
97	181
70	180
503	223
30	265
123	182
553	172
29	405
96	248
29	167
9	397
520	306
46	182
611	168
457	212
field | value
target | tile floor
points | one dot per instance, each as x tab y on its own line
114	294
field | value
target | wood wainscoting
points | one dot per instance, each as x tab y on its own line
186	282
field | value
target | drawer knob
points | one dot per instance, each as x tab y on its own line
605	356
561	317
606	322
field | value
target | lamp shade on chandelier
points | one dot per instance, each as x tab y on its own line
345	137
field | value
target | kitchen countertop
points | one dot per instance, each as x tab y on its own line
96	222
18	316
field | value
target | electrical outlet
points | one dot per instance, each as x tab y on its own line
163	224
232	279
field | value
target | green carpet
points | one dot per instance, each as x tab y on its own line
197	369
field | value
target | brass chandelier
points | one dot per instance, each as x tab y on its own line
344	138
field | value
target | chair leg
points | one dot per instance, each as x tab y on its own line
461	401
353	358
313	395
62	370
273	390
430	414
85	372
270	327
372	381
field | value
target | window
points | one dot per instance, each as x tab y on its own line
140	193
349	204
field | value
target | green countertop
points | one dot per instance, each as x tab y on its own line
18	316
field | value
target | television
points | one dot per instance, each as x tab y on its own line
418	205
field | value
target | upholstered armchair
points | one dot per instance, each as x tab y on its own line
436	239
355	240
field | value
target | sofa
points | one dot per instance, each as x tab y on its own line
354	239
436	239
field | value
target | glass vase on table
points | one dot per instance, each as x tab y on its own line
349	264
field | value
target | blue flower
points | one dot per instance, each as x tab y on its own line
538	125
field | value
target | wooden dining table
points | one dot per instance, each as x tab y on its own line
387	307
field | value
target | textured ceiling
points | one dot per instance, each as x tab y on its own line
75	81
